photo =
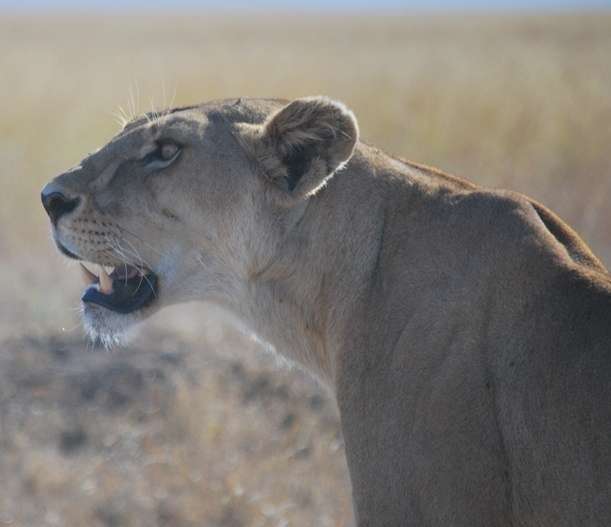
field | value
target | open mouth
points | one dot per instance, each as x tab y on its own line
127	288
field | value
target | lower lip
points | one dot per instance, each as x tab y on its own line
120	301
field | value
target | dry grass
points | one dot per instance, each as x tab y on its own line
517	102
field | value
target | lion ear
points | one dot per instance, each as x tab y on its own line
304	143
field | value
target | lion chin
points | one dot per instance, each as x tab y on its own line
114	304
107	328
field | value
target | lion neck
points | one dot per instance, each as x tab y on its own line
305	299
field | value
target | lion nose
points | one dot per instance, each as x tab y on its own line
56	203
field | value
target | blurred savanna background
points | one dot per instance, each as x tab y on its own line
192	424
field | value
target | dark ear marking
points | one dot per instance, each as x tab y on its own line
297	164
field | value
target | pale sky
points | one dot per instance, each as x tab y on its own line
308	5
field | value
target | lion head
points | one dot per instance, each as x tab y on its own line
192	203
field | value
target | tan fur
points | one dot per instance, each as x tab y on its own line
464	332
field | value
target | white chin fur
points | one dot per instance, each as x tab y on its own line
106	327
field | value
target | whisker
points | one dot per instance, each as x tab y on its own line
173	100
149	283
119	250
127	231
142	263
137	254
143	276
164	100
116	251
140	240
70	330
119	118
137	98
131	103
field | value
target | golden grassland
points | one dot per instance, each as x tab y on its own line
511	101
522	102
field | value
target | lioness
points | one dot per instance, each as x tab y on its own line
466	333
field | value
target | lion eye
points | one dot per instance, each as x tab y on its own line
165	154
167	151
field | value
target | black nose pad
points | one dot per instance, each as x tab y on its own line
57	204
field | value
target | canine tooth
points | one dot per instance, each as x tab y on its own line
105	282
88	277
